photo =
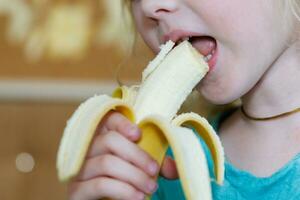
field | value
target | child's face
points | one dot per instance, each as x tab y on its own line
248	37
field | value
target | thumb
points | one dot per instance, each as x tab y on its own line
168	169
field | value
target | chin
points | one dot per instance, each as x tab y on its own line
218	98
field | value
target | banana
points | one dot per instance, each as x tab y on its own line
166	83
165	49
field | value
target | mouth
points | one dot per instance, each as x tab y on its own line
205	45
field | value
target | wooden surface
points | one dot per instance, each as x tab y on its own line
35	129
100	63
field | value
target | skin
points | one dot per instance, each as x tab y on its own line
114	145
258	62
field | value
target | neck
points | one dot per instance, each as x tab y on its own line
278	90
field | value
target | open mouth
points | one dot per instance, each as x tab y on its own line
205	45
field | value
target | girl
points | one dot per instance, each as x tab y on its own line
253	56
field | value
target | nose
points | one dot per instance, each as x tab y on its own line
156	8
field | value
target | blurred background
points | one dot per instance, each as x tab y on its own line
54	54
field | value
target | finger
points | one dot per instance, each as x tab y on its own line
114	121
168	169
117	144
101	128
102	187
115	167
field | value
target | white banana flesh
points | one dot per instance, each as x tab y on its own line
168	86
164	50
153	106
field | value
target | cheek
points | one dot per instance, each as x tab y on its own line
146	28
247	48
231	79
224	17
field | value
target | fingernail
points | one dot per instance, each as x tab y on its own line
140	196
152	186
134	131
153	168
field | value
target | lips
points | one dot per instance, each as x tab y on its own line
206	45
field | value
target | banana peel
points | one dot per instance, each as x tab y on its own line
153	106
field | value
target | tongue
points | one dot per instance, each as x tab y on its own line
204	44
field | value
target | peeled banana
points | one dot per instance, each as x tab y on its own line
166	83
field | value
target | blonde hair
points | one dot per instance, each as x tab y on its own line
294	13
294	5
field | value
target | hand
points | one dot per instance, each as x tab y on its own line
115	167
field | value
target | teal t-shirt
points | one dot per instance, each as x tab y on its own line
239	184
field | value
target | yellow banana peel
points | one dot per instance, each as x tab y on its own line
153	105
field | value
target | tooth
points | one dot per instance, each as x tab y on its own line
208	57
186	38
205	59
